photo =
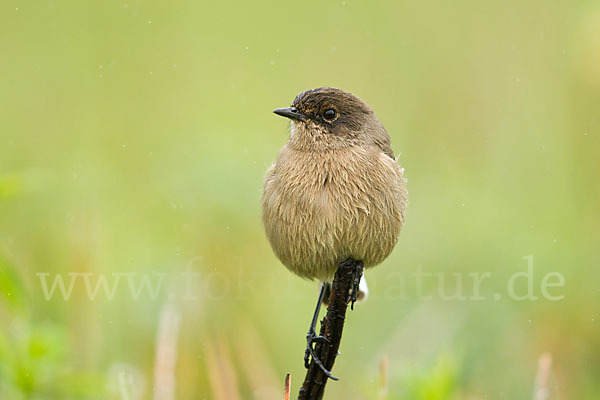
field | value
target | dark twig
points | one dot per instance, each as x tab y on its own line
343	290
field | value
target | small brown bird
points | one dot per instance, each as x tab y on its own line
336	193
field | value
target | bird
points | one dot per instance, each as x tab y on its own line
336	193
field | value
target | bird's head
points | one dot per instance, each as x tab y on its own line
329	118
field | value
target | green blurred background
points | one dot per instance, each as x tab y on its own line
133	140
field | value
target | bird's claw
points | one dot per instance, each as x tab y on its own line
312	338
358	271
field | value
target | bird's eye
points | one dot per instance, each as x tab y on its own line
329	114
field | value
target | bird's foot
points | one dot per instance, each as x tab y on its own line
358	271
311	339
357	274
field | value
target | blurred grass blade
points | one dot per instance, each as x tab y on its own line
166	352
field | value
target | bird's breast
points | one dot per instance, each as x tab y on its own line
320	208
327	183
341	184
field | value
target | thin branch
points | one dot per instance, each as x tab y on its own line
331	328
288	386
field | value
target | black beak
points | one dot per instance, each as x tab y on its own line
291	113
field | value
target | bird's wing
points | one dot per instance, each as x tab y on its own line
382	140
387	149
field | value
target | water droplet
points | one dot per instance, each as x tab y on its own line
149	22
123	145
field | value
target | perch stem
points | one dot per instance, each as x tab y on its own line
332	326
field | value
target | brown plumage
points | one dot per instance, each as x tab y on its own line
336	190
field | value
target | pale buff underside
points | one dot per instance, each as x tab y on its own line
320	208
